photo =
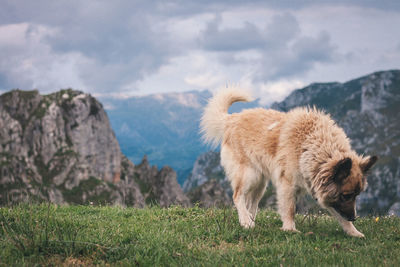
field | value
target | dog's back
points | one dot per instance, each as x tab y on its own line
253	136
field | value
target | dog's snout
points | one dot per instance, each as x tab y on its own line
348	212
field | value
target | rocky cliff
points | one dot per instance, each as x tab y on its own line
207	184
206	167
60	147
210	194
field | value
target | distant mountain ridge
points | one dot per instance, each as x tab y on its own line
164	127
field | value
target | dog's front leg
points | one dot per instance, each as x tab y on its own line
286	205
347	226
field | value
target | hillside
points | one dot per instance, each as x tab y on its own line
104	236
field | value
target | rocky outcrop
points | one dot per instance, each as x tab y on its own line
51	143
395	209
60	147
207	183
206	167
210	194
131	195
159	186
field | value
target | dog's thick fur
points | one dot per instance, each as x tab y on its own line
300	149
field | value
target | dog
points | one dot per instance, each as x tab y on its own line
301	150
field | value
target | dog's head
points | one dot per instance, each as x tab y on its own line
346	179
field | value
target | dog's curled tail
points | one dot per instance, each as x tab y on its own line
215	113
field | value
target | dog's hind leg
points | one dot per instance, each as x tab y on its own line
241	190
254	195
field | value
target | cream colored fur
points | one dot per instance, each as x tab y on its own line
295	150
213	120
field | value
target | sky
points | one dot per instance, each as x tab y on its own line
128	48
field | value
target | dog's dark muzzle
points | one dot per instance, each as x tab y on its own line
346	211
350	217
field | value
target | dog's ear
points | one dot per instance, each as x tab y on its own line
367	163
342	170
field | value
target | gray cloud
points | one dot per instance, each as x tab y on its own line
285	52
247	37
112	45
277	34
299	58
283	29
118	37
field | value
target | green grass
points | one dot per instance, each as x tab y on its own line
72	235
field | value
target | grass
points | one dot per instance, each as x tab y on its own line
85	235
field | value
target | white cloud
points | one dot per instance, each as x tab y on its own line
28	62
277	91
206	80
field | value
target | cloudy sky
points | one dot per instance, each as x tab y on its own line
126	48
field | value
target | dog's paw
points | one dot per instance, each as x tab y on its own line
352	231
247	222
356	233
290	229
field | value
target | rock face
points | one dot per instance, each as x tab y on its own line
207	184
395	209
60	147
206	167
52	143
159	186
210	194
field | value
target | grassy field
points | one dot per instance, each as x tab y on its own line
84	235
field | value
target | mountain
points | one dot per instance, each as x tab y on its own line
60	147
210	194
206	167
165	127
367	108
